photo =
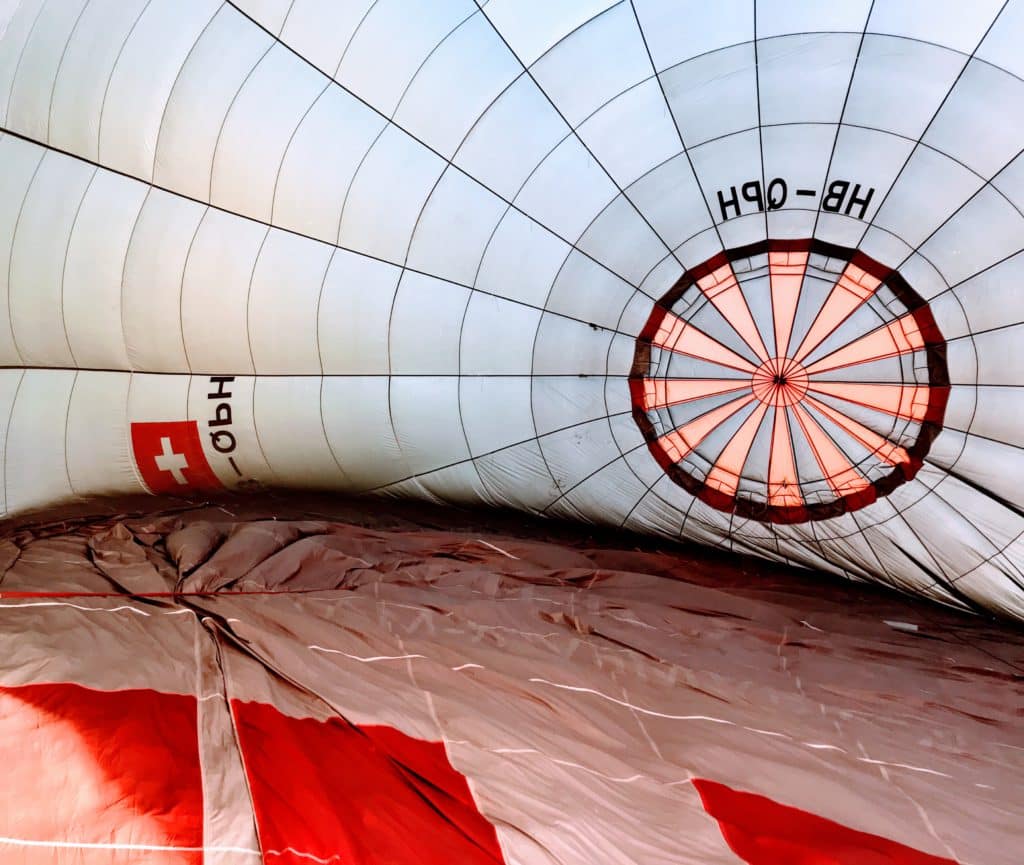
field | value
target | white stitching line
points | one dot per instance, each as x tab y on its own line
93	845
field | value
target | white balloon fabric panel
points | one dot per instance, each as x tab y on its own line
744	275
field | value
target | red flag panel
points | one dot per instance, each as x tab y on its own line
366	795
763	832
99	777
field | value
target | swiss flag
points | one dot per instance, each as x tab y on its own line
170	458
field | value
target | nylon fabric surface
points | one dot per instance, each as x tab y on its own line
743	273
377	689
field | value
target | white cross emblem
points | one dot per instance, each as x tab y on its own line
172	462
